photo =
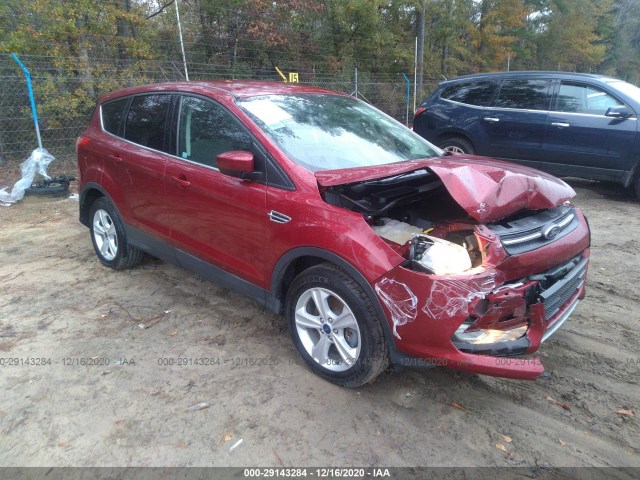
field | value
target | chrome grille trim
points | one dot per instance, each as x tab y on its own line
566	220
529	233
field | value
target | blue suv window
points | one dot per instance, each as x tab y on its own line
524	94
578	98
472	93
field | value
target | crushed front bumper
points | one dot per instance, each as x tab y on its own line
427	312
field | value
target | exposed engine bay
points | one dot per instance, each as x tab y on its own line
417	216
409	211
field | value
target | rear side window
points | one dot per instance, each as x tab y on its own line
473	93
524	94
146	120
112	114
579	98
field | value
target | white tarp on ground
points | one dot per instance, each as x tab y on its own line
36	163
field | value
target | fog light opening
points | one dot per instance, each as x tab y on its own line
488	336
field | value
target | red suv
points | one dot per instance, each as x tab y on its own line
377	246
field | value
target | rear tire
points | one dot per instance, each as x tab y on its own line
109	238
335	327
637	185
456	145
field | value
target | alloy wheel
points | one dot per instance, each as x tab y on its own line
104	234
453	149
328	329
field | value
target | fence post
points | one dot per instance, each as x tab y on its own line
184	58
408	95
356	80
27	75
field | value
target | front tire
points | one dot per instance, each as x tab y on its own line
109	238
335	327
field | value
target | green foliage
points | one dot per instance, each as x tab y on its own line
571	39
622	57
251	37
79	49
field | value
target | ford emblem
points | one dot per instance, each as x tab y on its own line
551	232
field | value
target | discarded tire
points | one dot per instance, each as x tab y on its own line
54	187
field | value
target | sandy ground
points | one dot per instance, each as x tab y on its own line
60	309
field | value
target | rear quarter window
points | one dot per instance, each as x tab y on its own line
477	93
524	94
112	114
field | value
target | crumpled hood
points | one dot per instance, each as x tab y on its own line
486	189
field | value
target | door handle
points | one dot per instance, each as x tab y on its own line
182	182
560	124
115	158
491	119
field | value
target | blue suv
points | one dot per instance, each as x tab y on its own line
568	124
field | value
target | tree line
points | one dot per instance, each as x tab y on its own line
82	48
329	36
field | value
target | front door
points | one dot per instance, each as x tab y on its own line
581	140
215	218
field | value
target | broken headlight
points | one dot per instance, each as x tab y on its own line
439	256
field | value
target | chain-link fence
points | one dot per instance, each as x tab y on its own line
17	132
65	96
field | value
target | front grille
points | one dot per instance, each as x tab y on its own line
559	293
528	233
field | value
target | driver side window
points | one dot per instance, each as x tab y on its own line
207	130
578	98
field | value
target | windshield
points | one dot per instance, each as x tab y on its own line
327	132
627	88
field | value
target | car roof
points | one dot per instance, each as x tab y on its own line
235	88
531	73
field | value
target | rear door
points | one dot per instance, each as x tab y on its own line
515	123
581	140
215	217
135	162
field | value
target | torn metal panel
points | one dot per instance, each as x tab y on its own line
490	189
447	298
486	189
400	301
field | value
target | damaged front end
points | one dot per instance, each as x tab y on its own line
472	295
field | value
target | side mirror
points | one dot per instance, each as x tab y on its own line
620	111
236	163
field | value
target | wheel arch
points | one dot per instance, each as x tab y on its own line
90	193
299	259
632	176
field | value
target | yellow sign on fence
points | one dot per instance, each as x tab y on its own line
293	76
